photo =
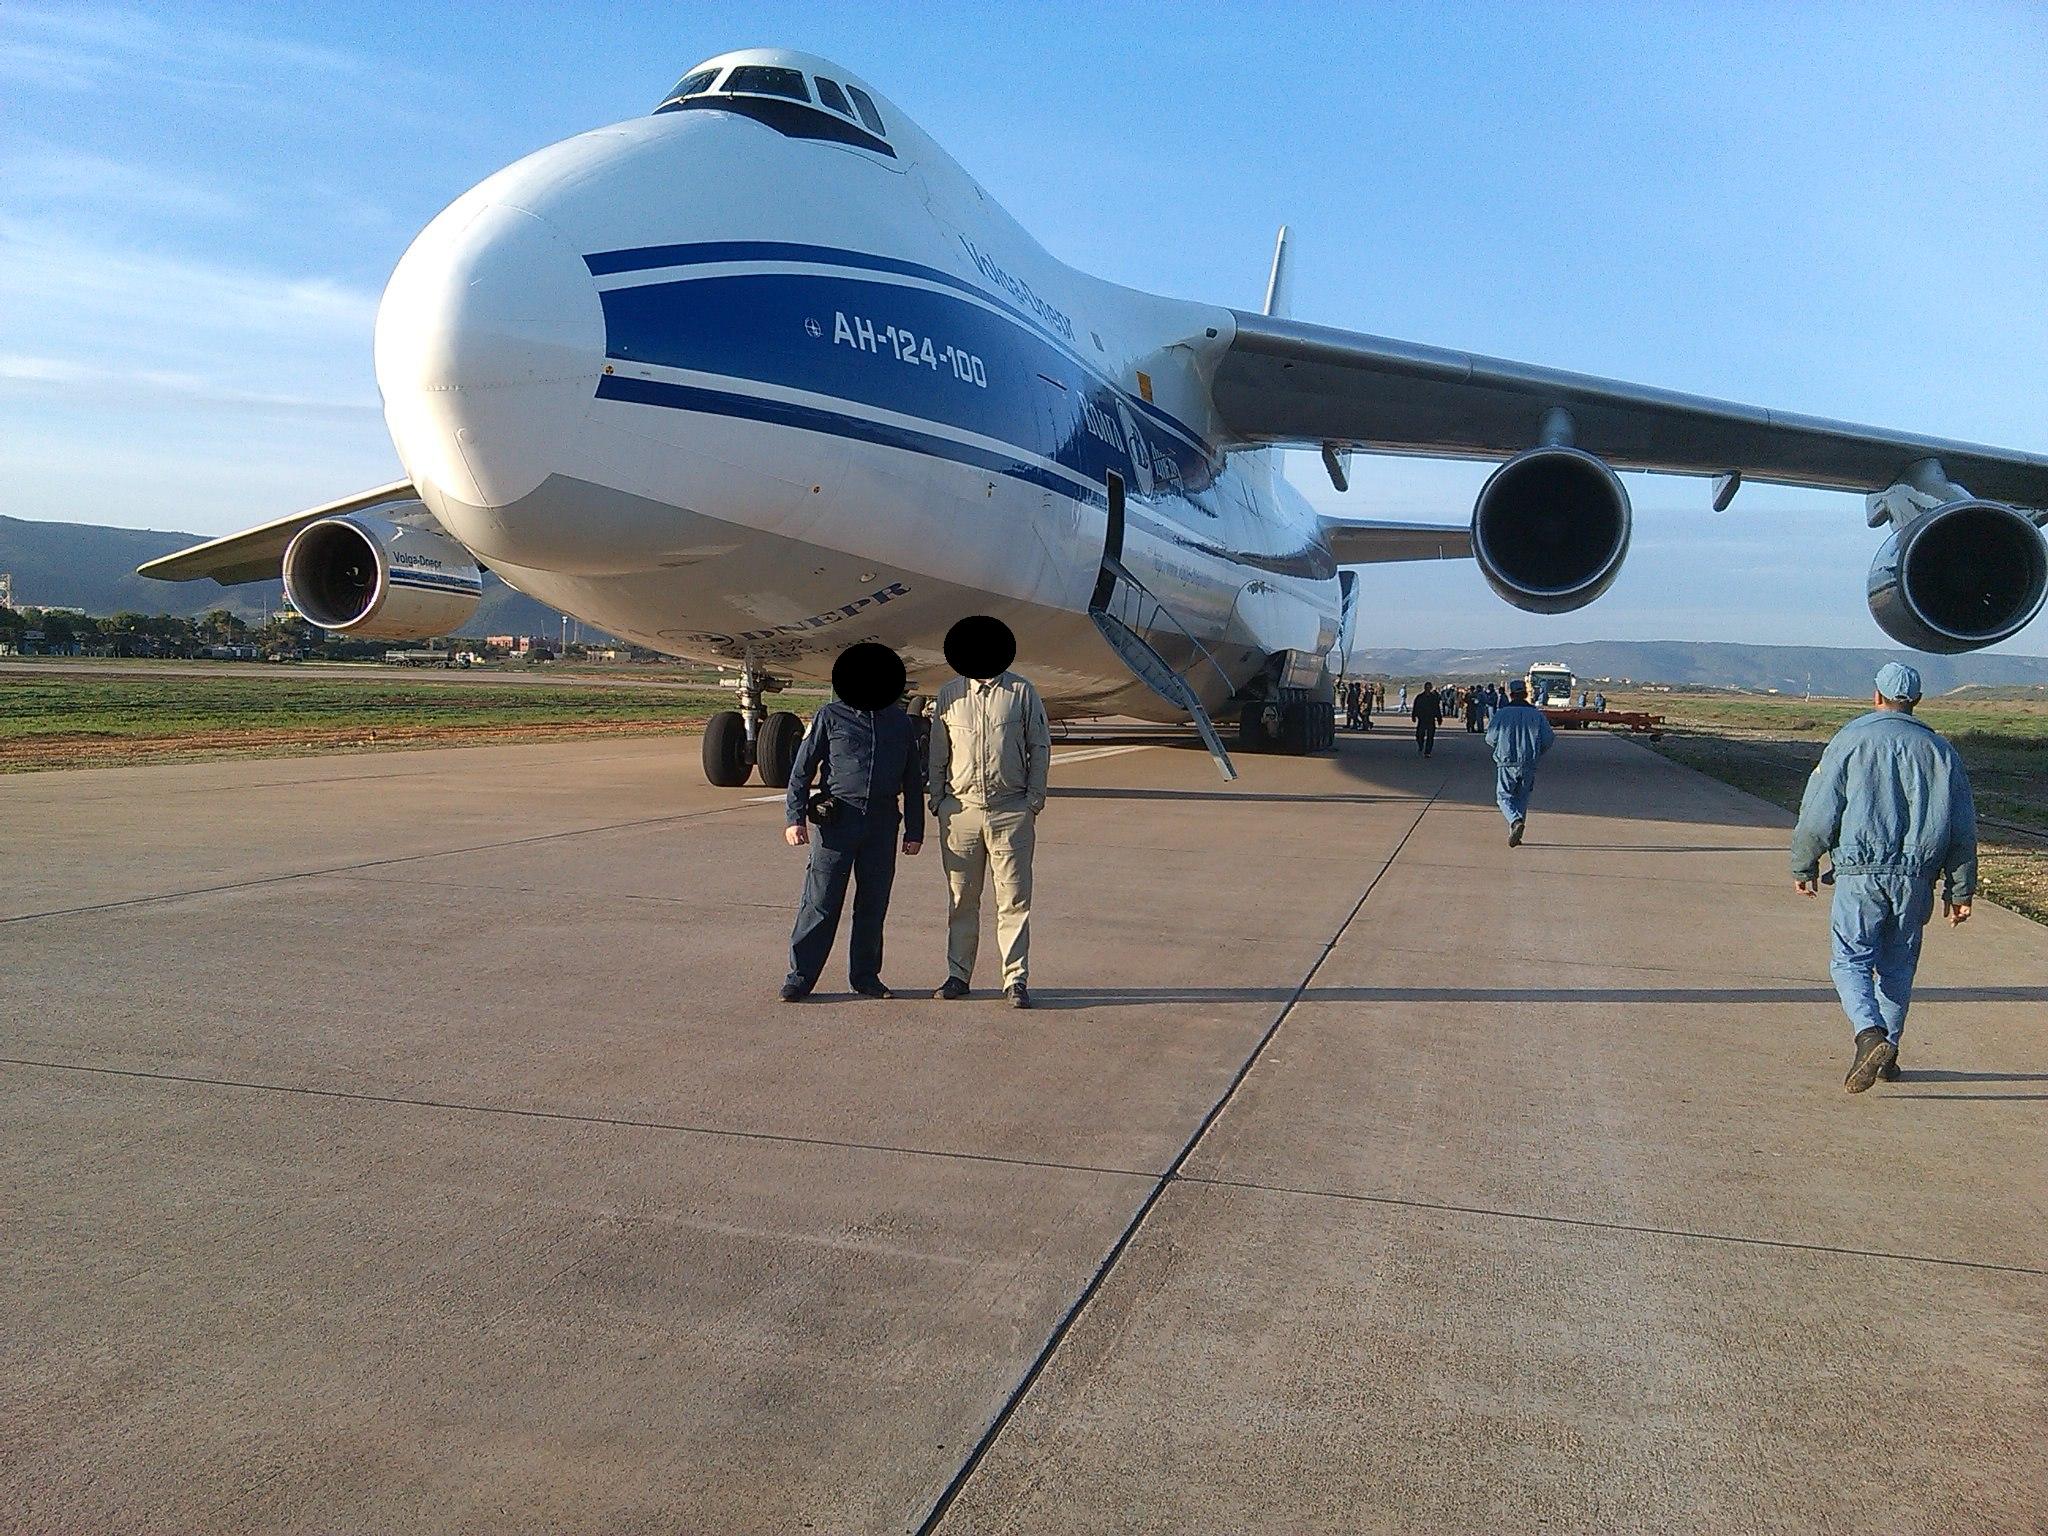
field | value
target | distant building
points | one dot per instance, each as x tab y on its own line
518	645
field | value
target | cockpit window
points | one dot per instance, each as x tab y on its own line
765	80
830	94
694	84
868	114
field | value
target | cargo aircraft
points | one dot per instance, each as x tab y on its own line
765	372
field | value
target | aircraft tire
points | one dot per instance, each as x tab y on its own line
775	752
725	750
1251	730
1297	729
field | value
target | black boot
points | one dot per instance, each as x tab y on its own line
1874	1052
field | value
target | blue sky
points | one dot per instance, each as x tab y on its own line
1835	210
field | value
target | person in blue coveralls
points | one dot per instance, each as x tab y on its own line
1518	734
1890	803
866	751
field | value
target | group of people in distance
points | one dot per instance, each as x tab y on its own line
864	780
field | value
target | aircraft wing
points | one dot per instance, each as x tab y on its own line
1282	381
1370	543
257	554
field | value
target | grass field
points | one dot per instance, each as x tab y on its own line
1768	746
72	718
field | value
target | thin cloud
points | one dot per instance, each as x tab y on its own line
44	177
47	268
112	48
159	387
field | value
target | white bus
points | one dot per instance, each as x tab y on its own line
1551	684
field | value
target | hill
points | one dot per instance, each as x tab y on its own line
1842	672
82	565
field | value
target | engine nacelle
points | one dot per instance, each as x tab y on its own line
362	574
1959	576
1550	529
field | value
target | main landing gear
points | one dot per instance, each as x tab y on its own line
737	741
1297	723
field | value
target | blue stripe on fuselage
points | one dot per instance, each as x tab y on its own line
788	413
832	335
399	576
649	258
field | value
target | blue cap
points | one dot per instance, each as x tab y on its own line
1898	682
1517	689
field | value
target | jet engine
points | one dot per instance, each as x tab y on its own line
1959	576
1550	529
363	574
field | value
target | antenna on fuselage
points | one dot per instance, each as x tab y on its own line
1280	286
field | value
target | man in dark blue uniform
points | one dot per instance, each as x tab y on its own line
866	751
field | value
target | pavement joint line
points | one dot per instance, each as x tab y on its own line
1504	1213
985	1442
574	1117
345	869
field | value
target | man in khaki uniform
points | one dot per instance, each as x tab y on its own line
986	781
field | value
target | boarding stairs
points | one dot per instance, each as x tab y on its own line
1144	632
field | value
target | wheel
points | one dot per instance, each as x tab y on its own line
1295	727
726	759
1252	735
775	749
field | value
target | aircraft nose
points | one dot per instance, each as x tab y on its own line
490	341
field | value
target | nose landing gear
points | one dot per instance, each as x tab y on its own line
737	741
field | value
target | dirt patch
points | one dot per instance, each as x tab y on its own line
93	749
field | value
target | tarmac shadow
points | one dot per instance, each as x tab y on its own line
1940	1075
1663	847
1125	997
1093	792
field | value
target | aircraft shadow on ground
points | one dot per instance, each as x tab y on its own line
1663	847
1390	771
1251	797
1124	997
1461	775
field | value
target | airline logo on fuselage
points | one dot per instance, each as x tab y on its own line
779	632
1050	315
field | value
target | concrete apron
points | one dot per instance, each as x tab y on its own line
410	1141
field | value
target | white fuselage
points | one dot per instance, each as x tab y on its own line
734	390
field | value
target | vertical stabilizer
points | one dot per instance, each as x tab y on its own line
1280	286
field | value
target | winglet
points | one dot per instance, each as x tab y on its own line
1279	286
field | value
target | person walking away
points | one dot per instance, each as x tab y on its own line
1890	803
990	751
1519	735
864	749
1426	711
